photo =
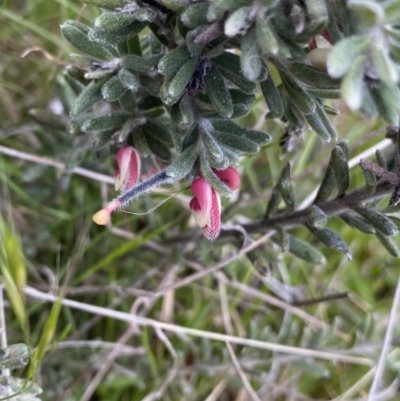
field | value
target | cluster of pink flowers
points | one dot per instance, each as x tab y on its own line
205	206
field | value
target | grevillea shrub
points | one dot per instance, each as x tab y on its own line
163	83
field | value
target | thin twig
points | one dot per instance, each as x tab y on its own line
46	161
380	367
142	321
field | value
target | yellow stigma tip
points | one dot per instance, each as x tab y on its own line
102	217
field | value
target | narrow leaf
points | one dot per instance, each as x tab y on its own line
330	239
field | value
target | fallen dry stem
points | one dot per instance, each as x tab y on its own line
142	321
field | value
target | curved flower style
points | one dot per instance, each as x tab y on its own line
206	205
126	176
129	165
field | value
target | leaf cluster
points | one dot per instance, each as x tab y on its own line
170	77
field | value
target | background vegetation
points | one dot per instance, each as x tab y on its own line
149	312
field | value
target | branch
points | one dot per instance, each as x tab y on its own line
334	207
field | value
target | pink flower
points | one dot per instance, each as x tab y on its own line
128	172
230	177
206	205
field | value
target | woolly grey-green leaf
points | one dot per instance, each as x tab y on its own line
107	37
330	239
369	13
140	142
195	15
383	103
285	188
260	138
241	144
391	94
327	186
67	93
229	65
158	130
175	120
238	22
150	84
305	251
266	38
370	179
389	244
340	167
377	219
293	87
217	9
77	34
14	356
128	127
149	103
113	89
128	79
182	166
137	63
146	14
318	126
250	56
324	93
82	60
158	148
108	121
342	55
127	102
353	83
232	156
213	148
385	68
182	77
317	9
326	121
191	135
231	128
283	239
316	217
218	93
291	112
165	96
344	145
240	97
380	158
100	140
273	203
313	76
272	97
170	64
111	21
98	74
108	4
87	98
355	221
392	12
212	179
330	110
